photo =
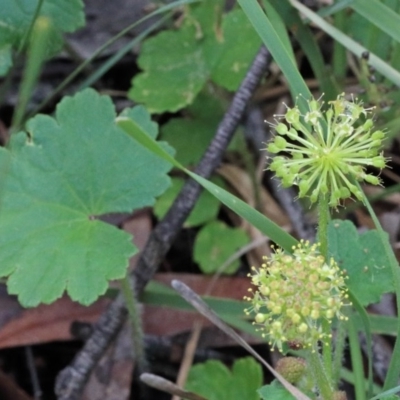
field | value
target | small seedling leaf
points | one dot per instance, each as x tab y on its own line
363	258
215	243
214	381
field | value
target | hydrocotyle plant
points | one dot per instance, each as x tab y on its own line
326	151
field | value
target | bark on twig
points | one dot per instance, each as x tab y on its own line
71	380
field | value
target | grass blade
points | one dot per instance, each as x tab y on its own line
381	66
380	15
258	220
274	44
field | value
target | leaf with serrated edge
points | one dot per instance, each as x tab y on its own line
16	17
238	50
363	258
63	174
215	243
213	380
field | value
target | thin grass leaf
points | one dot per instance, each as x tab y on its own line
274	44
258	220
308	44
107	65
109	42
277	22
356	361
386	393
381	66
380	15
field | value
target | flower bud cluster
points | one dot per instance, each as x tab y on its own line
294	294
325	152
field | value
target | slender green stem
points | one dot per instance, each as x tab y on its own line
367	328
128	292
319	374
323	220
36	56
28	33
394	366
340	339
356	361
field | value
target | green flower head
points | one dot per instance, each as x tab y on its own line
326	152
294	294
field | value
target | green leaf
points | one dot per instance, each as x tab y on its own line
364	260
380	65
16	18
258	220
238	50
306	38
380	15
5	59
215	243
64	173
177	64
214	381
275	391
175	71
206	208
191	135
277	47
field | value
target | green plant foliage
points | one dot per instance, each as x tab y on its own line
63	174
16	18
215	243
364	260
206	208
275	391
191	135
214	381
238	50
177	64
258	220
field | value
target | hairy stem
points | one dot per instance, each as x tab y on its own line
128	291
323	220
319	374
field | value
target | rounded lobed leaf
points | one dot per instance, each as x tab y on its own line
62	175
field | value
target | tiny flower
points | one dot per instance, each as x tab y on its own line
325	152
293	307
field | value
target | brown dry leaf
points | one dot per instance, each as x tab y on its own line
47	323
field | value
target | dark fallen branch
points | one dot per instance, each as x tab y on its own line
71	380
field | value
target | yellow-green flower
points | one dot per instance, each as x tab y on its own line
295	293
325	152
